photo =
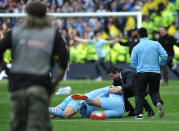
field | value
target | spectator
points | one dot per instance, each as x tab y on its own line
78	6
137	5
88	32
60	3
167	41
101	8
147	7
80	26
133	40
126	4
58	10
89	6
4	28
148	24
2	10
114	6
66	7
123	24
19	9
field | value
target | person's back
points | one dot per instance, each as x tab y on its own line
148	56
145	59
32	51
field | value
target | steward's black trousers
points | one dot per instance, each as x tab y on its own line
142	79
129	107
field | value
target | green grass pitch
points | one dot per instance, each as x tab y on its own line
170	122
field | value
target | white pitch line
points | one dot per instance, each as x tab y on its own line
105	121
108	121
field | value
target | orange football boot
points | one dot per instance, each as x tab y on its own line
79	97
97	115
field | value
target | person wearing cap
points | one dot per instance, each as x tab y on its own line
34	46
133	40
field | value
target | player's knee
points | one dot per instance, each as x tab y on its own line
69	111
96	102
67	115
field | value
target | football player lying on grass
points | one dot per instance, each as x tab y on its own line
109	98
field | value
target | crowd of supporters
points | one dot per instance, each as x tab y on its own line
156	14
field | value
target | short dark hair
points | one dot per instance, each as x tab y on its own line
142	32
113	70
134	29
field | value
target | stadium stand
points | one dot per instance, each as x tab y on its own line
156	14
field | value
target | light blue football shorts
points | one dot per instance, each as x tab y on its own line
75	104
113	107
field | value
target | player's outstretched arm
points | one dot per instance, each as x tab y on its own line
81	39
113	41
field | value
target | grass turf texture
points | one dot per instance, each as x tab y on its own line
169	94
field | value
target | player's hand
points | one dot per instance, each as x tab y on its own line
114	89
119	89
113	86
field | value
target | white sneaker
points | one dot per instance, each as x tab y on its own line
138	117
160	109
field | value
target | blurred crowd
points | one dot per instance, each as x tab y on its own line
156	14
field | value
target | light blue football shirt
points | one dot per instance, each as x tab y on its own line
145	56
99	45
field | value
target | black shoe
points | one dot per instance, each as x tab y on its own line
139	117
131	113
151	114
